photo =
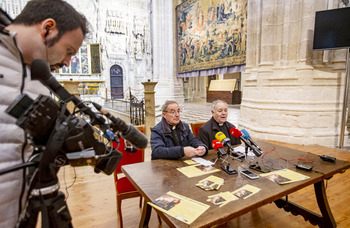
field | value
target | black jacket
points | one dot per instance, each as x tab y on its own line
207	132
162	142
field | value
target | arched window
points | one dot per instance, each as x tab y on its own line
116	74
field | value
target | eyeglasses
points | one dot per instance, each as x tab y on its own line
173	112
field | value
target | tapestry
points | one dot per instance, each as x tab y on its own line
211	34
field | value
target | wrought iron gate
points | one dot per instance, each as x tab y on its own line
137	111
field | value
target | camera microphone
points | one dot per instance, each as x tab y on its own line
246	135
237	134
128	132
217	145
222	138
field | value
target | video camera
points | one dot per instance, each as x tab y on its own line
64	137
39	119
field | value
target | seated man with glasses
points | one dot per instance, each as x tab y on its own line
172	139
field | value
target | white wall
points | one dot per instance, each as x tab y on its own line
290	92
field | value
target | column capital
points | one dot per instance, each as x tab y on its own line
149	86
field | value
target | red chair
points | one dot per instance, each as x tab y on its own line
195	128
124	188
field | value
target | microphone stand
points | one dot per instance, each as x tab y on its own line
226	168
246	150
237	155
220	156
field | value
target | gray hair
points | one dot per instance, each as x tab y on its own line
213	105
166	104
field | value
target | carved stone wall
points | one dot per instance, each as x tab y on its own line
290	92
13	8
124	31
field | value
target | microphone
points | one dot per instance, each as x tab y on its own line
217	145
128	132
40	70
222	138
237	134
246	135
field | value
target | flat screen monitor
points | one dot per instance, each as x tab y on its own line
332	29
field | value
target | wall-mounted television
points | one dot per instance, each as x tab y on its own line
332	29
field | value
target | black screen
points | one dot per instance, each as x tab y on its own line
332	29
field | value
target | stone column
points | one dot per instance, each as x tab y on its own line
164	52
71	87
150	111
291	93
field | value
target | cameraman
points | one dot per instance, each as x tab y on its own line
51	30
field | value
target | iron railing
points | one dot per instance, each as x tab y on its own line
133	107
137	111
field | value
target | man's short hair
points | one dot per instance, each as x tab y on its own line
66	17
213	105
166	104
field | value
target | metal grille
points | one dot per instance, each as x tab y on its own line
137	111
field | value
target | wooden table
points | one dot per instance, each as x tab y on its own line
157	177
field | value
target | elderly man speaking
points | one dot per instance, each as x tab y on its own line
218	123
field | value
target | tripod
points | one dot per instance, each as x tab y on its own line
45	196
60	138
53	208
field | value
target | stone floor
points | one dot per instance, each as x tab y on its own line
193	112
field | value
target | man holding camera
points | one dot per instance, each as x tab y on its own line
51	30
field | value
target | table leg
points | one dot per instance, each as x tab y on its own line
326	220
320	191
146	214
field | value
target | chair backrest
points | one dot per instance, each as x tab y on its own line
131	155
195	128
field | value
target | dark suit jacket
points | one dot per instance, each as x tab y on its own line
207	132
162	142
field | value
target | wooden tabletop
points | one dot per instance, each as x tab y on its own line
157	177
